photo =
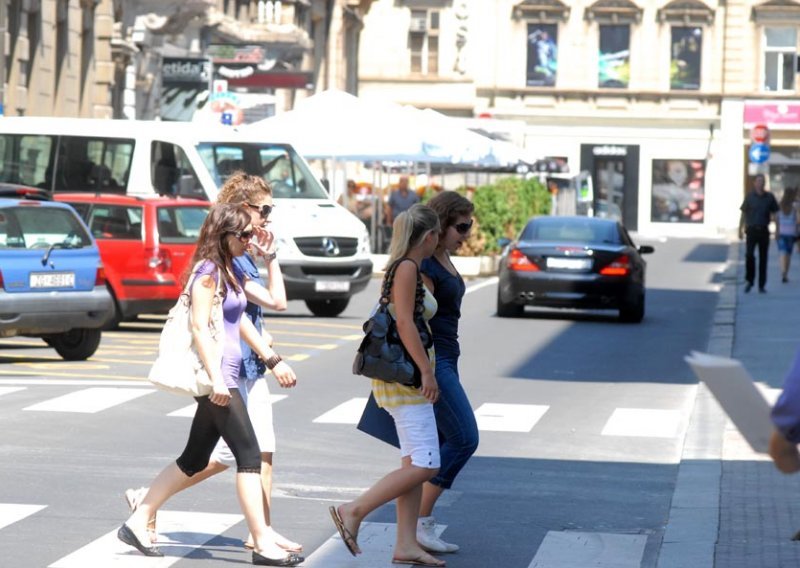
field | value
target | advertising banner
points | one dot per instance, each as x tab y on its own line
542	55
613	62
685	55
678	191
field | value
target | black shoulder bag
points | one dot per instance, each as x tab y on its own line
382	354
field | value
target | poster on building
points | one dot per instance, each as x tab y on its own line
678	191
613	62
686	49
542	55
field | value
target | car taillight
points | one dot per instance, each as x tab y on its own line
100	276
518	261
620	267
1	279
161	261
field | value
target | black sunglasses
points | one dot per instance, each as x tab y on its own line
463	228
243	236
265	210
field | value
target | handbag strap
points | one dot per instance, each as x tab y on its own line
388	280
193	275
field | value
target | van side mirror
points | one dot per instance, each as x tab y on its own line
646	249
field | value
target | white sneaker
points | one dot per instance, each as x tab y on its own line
427	539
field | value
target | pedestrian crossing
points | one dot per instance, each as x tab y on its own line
182	533
501	417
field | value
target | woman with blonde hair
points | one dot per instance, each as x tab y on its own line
415	234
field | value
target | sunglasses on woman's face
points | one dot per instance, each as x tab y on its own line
463	228
265	210
243	236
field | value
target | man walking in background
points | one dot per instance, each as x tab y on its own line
757	210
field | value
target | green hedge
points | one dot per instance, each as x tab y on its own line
502	208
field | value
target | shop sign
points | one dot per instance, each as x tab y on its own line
237	53
184	70
608	150
772	114
239	73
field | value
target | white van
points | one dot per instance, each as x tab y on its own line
323	248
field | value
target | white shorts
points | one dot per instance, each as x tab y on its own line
256	398
416	430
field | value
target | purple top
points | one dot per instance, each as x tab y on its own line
786	412
232	309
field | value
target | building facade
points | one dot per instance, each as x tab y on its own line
654	99
171	59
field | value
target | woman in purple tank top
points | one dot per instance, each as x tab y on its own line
224	235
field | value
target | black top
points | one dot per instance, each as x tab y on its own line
448	290
758	208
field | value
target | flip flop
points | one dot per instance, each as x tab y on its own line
419	562
349	540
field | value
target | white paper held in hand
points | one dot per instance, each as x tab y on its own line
734	389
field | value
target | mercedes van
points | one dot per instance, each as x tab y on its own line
323	248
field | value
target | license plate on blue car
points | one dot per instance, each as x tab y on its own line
52	280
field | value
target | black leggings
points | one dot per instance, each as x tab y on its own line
232	424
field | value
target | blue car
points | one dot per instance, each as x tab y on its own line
52	283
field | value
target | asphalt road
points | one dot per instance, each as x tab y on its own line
582	423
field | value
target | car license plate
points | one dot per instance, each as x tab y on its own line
332	286
569	263
53	280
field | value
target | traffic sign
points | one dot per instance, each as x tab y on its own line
759	153
760	134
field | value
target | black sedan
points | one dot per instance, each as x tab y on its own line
573	262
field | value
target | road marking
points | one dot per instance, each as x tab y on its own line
90	400
270	321
188	411
17	372
180	533
567	549
496	417
31	343
476	287
376	541
10	513
325	335
325	346
9	390
297	357
346	413
73	383
643	422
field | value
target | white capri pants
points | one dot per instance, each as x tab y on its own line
255	393
416	430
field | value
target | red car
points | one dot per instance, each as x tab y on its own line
145	245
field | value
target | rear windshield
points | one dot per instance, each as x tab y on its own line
41	227
571	230
286	172
180	225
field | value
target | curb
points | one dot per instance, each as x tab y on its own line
467	266
692	530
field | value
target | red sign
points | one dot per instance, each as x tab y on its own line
760	134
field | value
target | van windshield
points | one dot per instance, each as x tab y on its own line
286	172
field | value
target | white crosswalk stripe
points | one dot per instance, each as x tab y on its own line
495	417
10	513
574	549
188	411
179	534
376	541
643	422
9	390
90	400
346	413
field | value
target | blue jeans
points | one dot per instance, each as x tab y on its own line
455	421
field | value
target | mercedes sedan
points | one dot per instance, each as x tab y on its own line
573	262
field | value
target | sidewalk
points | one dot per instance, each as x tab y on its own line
731	507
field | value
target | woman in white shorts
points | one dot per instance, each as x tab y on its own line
415	234
257	195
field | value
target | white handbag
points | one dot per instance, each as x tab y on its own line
178	368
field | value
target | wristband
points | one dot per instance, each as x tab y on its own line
270	256
271	362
